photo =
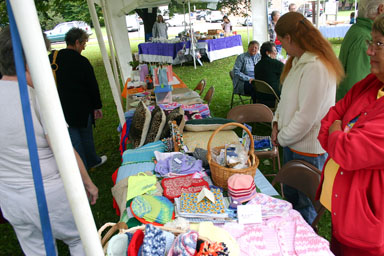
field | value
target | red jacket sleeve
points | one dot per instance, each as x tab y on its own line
335	113
363	146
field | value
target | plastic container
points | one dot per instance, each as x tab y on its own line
163	94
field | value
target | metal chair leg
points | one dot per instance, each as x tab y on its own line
241	99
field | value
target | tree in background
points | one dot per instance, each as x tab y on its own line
52	12
149	17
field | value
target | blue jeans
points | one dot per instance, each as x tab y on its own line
82	141
299	200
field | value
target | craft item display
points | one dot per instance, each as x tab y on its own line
130	169
241	187
178	165
154	243
144	153
177	114
207	124
270	206
177	137
221	174
262	143
163	94
156	126
140	184
140	125
144	72
184	244
189	203
214	248
174	187
152	209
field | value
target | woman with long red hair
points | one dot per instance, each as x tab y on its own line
308	91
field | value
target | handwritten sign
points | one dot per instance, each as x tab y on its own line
206	193
249	213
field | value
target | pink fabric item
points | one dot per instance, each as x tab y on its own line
241	187
285	235
155	76
169	73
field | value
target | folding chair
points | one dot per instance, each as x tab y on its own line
264	87
200	86
209	95
243	98
305	178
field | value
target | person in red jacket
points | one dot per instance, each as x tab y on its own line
352	183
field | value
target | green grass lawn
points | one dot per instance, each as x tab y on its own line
107	137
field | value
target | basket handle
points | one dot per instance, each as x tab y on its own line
111	231
250	152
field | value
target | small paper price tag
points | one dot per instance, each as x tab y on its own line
206	193
177	160
250	213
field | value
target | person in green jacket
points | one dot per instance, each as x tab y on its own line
353	50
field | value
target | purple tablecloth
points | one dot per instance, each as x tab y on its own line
163	49
223	43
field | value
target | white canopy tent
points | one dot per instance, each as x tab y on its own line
114	15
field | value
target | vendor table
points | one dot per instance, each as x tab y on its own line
160	52
180	94
221	47
334	31
264	185
214	48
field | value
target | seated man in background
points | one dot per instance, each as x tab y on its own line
268	69
244	70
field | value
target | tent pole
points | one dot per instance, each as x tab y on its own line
192	35
39	66
317	14
248	24
111	47
185	23
107	64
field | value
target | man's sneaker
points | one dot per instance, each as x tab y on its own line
102	161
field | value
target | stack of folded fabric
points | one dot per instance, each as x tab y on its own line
241	188
187	206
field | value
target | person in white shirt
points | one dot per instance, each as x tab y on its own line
308	91
160	29
17	194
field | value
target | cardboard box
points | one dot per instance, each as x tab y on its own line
215	31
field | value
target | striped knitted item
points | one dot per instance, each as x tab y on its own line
184	244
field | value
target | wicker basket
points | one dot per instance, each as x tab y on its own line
122	228
221	174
